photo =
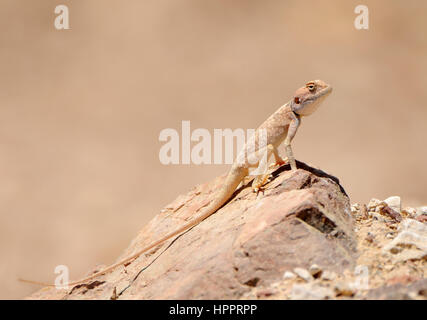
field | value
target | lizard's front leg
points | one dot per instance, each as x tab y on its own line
278	160
290	155
293	127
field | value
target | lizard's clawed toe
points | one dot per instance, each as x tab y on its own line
258	190
260	181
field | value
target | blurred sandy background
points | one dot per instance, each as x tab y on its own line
81	110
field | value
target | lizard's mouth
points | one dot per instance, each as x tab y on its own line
309	105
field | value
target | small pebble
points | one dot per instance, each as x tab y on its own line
343	289
303	274
355	207
373	203
265	293
315	270
421	211
370	237
288	275
389	235
409	212
394	202
388	267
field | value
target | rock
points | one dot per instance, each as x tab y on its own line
421	211
394	203
264	293
388	211
328	275
344	289
391	208
409	212
390	235
416	290
402	279
288	275
370	237
303	274
388	267
373	204
379	217
315	270
309	291
364	212
421	214
410	243
355	207
303	218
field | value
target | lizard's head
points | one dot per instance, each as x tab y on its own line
308	98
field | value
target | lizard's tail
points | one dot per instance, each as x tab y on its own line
232	180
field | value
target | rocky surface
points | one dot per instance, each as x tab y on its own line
300	239
391	263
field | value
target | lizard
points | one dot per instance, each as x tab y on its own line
279	128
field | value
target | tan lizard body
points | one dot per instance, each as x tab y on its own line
280	127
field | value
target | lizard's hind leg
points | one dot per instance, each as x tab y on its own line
263	175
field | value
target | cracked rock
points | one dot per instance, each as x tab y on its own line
303	218
410	243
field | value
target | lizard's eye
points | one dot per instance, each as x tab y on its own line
311	87
297	100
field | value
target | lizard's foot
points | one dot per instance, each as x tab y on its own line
278	163
260	181
282	162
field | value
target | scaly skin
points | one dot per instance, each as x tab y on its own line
280	127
